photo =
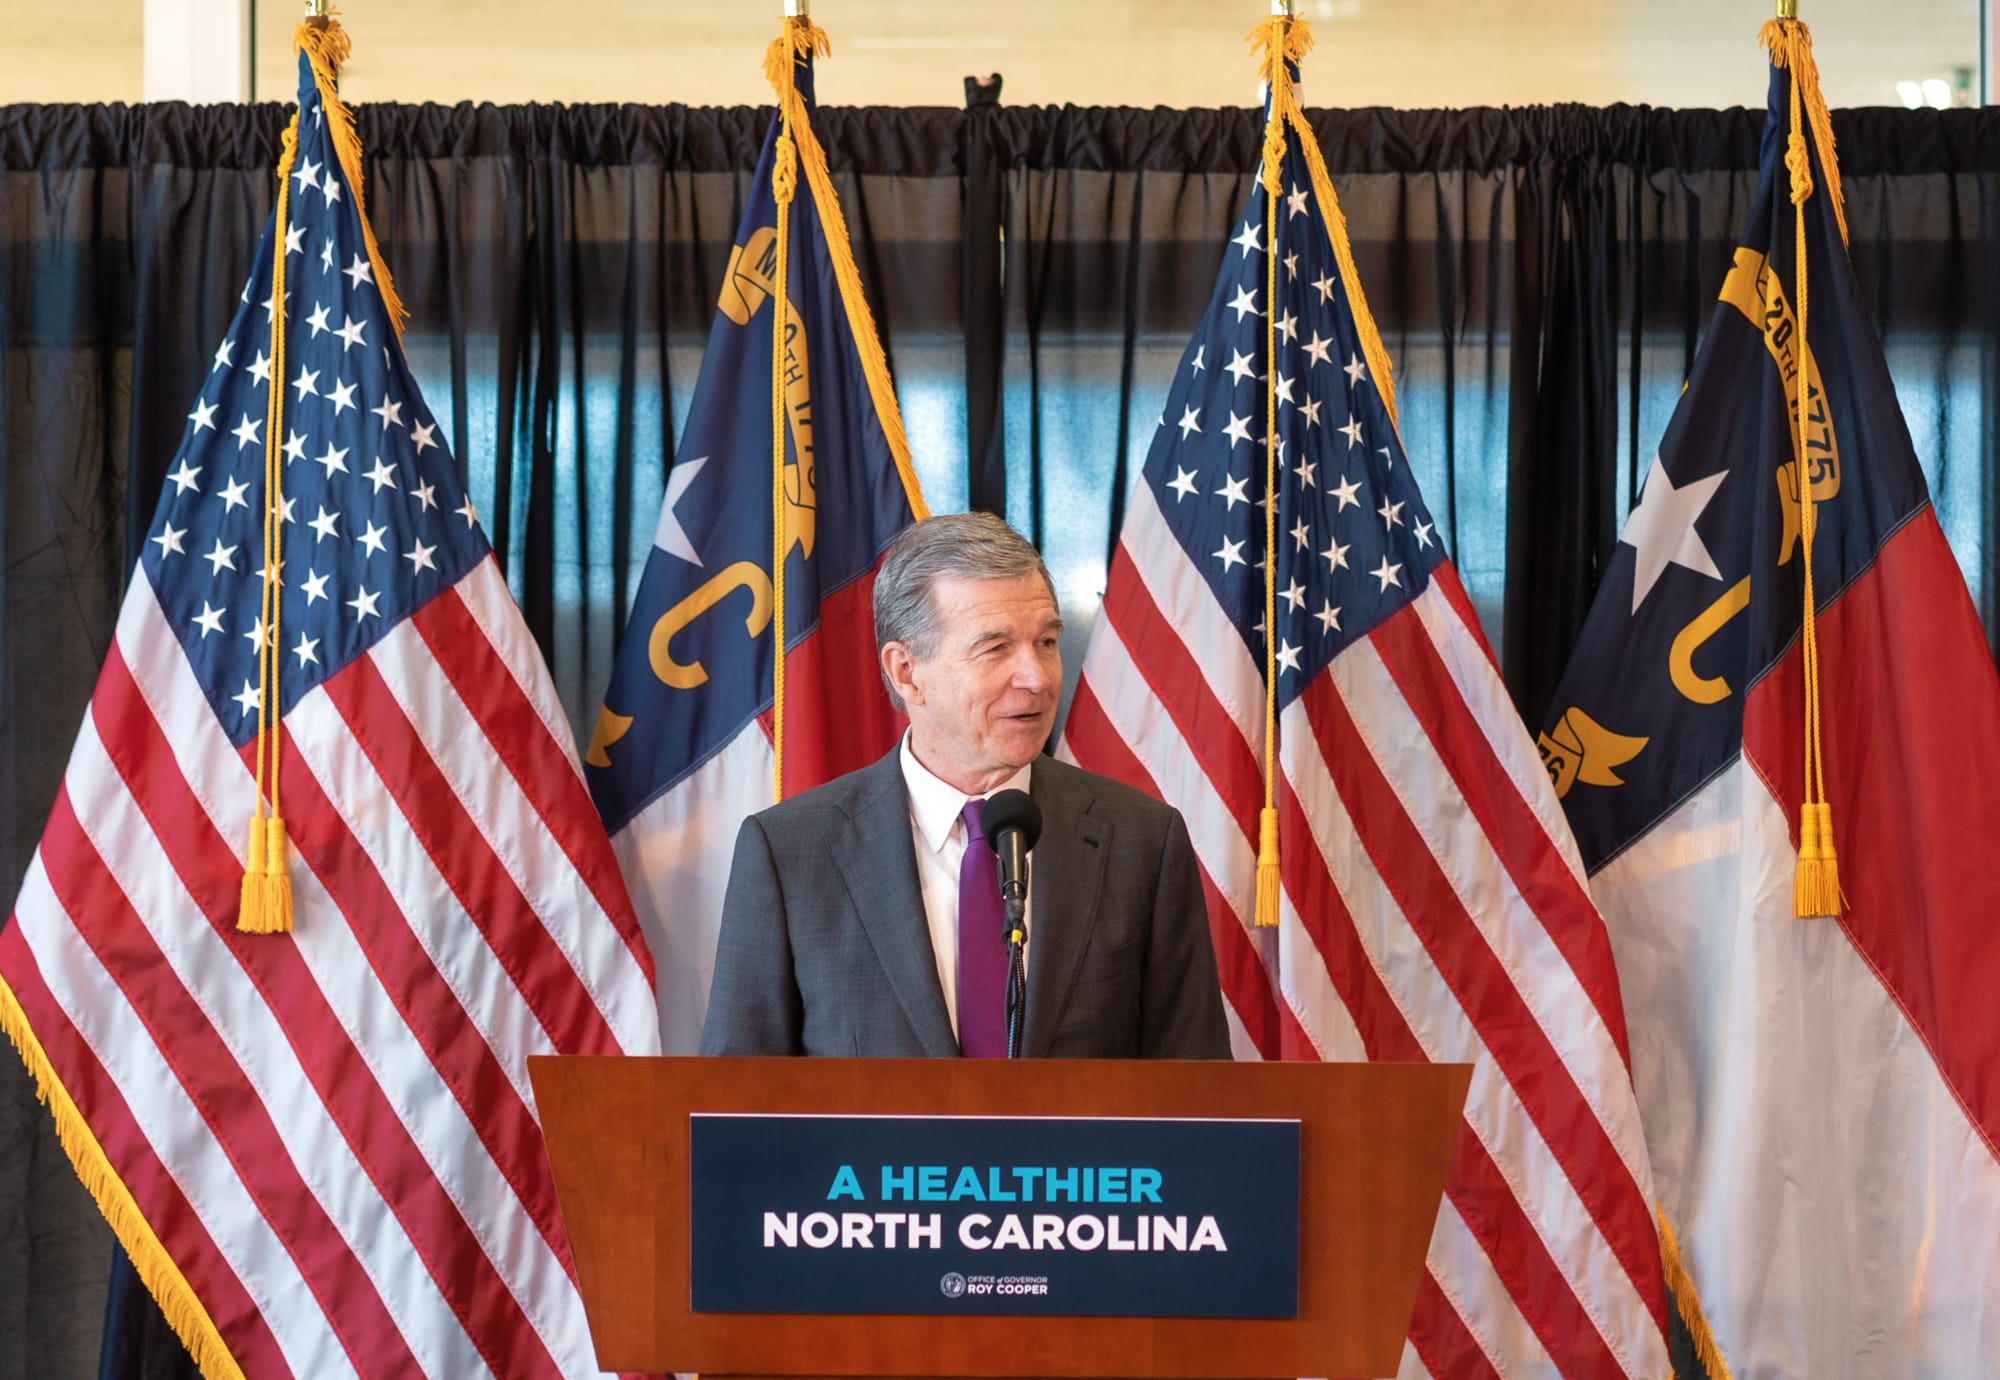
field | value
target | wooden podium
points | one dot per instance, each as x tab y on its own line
1374	1142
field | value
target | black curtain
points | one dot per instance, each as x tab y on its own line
1540	275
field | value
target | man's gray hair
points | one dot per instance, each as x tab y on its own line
951	546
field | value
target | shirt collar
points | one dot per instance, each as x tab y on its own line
935	805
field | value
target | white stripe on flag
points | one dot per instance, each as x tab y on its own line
1539	971
237	1012
1492	1108
424	901
1189	606
1465	1274
492	607
514	829
174	1127
423	1102
675	855
1485	694
1806	1147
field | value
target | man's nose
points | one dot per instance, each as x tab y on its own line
1035	672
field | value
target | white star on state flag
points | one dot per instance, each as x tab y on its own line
1661	529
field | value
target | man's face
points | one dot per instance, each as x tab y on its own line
983	704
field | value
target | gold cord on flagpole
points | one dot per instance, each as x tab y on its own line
806	37
1816	879
265	903
1273	37
256	910
799	39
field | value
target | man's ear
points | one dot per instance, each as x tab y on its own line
901	669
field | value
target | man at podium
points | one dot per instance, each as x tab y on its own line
865	917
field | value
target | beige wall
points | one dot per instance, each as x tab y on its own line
1112	52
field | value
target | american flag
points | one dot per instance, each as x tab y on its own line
1433	906
320	1147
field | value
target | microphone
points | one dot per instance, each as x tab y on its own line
1011	822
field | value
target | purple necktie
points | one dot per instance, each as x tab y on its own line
982	947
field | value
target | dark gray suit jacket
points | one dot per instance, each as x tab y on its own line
824	947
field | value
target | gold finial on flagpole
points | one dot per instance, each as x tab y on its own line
1283	9
798	9
316	9
1788	9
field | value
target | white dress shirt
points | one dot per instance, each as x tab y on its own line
938	826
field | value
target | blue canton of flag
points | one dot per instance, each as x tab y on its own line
375	520
1355	542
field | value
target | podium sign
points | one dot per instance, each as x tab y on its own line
1373	1141
1015	1216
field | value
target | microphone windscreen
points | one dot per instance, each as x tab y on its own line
1011	810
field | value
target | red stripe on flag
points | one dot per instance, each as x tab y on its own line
1327	921
1910	708
1542	1293
230	1107
838	717
540	971
1516	833
166	1209
1182	689
1485	991
210	871
1445	577
1443	1343
538	764
1522	1261
1098	747
440	1025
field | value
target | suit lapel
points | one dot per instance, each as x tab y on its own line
878	861
1067	875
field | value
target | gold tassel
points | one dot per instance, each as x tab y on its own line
1808	874
277	879
250	909
1829	862
1267	869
